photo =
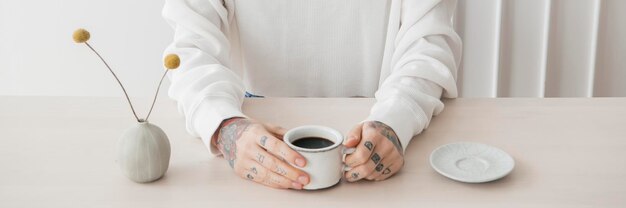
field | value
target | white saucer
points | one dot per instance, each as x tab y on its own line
471	162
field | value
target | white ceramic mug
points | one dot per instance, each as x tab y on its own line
324	165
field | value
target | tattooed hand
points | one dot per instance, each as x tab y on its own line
378	152
257	152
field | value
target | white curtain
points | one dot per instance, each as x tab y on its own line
542	48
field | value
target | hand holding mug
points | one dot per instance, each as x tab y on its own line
378	153
257	152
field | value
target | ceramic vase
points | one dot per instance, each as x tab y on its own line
143	152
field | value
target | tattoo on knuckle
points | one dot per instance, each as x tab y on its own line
379	167
281	171
375	158
283	155
387	171
355	175
263	139
250	177
253	170
260	158
368	145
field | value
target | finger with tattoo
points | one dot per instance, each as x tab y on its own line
260	158
263	140
362	154
281	181
280	167
281	171
368	145
359	172
389	171
386	171
279	149
355	176
384	174
375	158
384	164
379	167
267	177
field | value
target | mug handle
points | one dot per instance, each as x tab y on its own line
346	151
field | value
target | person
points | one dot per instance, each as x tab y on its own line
404	53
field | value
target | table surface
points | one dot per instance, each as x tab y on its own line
59	152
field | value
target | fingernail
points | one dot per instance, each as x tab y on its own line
300	162
296	185
303	179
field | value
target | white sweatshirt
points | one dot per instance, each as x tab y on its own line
404	53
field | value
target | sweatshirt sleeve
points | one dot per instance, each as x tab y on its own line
422	68
206	89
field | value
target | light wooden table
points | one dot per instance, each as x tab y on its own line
59	152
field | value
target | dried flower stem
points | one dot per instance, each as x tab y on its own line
156	94
118	81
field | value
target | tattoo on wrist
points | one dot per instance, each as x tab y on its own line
228	136
388	133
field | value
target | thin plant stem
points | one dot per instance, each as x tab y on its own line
118	81
156	94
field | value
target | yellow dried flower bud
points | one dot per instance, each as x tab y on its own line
171	61
81	35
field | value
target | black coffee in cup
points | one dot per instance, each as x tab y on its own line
312	142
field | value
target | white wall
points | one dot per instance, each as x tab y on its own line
537	48
38	56
520	48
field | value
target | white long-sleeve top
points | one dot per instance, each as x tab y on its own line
404	53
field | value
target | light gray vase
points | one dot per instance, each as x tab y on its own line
144	152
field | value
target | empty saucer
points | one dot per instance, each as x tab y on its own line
471	162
